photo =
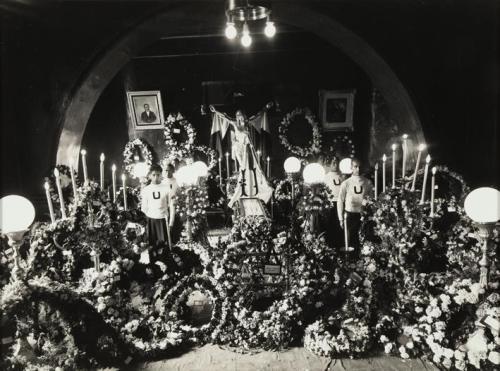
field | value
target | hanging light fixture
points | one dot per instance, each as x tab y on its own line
243	12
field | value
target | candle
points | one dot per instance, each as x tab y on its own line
427	160
220	172
59	190
113	179
227	164
433	186
73	182
49	202
421	147
236	166
84	165
405	150
258	156
393	165
124	191
384	159
101	171
376	180
268	167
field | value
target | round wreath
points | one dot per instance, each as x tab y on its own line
133	149
210	153
178	295
314	145
317	198
283	190
178	149
342	147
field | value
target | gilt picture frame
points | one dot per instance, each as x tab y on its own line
145	109
336	109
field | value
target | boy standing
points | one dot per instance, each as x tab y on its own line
333	180
158	207
350	203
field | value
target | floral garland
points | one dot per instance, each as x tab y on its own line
283	190
178	295
314	145
136	148
176	150
211	155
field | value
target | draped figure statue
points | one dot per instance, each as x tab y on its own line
252	181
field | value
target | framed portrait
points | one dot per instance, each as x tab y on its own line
145	109
336	109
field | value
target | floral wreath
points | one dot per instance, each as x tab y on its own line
317	198
198	205
314	145
178	295
342	147
130	151
176	150
210	153
283	190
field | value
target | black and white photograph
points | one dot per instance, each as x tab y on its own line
275	185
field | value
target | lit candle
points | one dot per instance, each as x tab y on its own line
268	167
227	164
220	172
101	171
376	180
124	191
427	160
84	165
236	166
421	147
405	150
73	182
433	186
384	159
113	179
393	165
59	191
49	202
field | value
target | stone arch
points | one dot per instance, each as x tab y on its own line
179	18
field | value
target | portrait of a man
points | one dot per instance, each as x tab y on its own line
146	109
147	115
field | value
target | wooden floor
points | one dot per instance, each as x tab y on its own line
215	358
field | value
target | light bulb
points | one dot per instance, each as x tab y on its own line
270	29
231	31
314	173
246	40
17	214
292	165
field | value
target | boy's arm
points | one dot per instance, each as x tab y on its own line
340	202
171	206
144	201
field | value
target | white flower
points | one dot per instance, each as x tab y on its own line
410	345
436	358
388	347
460	364
459	355
448	353
384	339
494	357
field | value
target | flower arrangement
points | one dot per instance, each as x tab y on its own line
210	154
135	151
316	198
178	148
191	203
342	147
283	190
314	145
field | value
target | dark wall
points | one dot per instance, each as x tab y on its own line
444	52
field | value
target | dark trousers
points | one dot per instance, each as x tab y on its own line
353	224
333	232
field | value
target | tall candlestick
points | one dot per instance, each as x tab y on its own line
49	202
433	186
427	160
384	159
124	191
268	167
220	172
59	191
73	182
393	165
405	153
101	171
113	180
227	164
421	147
84	165
376	180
